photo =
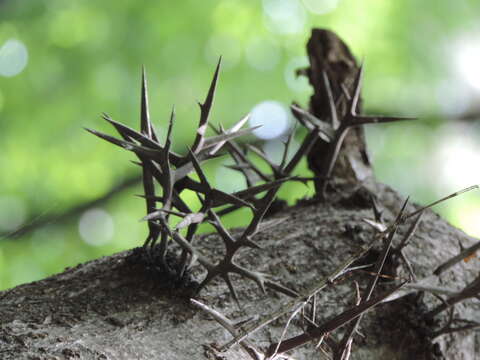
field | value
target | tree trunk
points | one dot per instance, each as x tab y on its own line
110	309
116	308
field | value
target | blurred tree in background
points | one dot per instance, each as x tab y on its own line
62	63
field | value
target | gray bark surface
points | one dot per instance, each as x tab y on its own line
110	309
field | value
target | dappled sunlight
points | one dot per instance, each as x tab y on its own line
273	118
454	97
284	16
466	54
13	58
96	227
320	7
457	156
467	216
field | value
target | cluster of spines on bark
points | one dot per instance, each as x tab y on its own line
160	165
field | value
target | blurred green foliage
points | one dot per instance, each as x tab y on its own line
85	57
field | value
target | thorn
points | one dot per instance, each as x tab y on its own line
144	111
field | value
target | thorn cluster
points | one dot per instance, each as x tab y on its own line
172	172
333	130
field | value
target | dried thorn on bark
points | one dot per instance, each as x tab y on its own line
330	325
465	254
230	327
472	290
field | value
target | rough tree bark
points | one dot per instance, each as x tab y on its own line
114	308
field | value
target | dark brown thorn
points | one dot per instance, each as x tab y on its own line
299	116
461	256
370	119
254	190
222	231
126	131
127	145
470	291
205	111
231	288
161	212
230	327
261	154
313	313
215	197
411	273
265	225
377	214
284	331
324	130
176	199
471	325
330	325
286	147
252	244
441	200
128	134
255	276
168	141
345	343
399	217
147	177
357	87
220	198
411	230
280	288
239	156
228	210
235	128
145	126
301	152
331	102
184	244
221	139
199	170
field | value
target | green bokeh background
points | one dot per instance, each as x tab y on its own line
85	58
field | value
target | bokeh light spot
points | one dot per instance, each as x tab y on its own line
469	219
262	54
467	60
13	58
284	16
295	82
320	6
13	213
457	155
273	117
96	227
225	45
276	147
453	97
